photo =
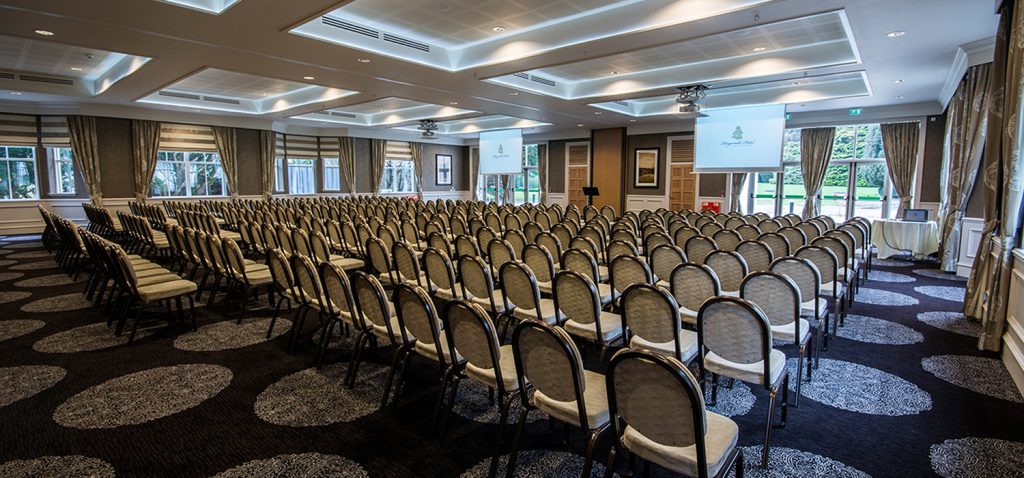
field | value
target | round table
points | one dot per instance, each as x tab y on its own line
893	237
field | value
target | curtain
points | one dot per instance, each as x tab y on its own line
474	172
268	155
416	150
145	146
347	162
737	187
378	154
85	153
227	148
815	153
542	172
506	189
899	142
989	285
964	142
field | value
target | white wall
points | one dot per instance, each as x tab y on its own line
970	239
1013	338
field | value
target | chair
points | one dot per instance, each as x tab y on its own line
730	268
416	313
779	299
321	248
284	284
543	267
778	243
578	301
547	359
441	281
310	295
381	262
499	253
626	271
522	296
407	264
381	321
735	340
727	239
664	259
584	263
691	285
248	276
657	408
651	320
698	247
155	289
796	237
478	285
814	307
341	307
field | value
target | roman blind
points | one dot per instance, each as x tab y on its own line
187	137
329	147
54	132
301	147
18	130
400	150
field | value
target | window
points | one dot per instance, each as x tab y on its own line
279	175
331	174
188	174
301	176
526	186
62	171
398	177
18	173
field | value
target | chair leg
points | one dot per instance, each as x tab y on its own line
768	426
799	369
300	319
135	324
739	466
588	462
395	358
505	404
357	355
325	337
273	319
611	461
451	404
510	467
445	378
192	311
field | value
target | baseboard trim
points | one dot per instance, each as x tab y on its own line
1013	356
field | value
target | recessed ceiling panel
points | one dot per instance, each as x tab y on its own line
455	35
92	71
223	90
803	43
793	91
384	112
483	123
215	7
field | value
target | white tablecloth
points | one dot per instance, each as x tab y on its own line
893	237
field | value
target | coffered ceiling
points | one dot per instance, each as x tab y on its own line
479	64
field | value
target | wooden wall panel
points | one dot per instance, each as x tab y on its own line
607	163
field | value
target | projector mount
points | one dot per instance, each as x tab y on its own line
428	126
691	98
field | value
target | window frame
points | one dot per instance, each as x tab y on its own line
187	162
5	162
53	156
335	176
292	178
395	165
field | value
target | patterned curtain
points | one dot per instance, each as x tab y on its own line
988	288
378	154
899	142
227	148
737	187
85	154
268	154
416	150
145	146
347	162
542	172
815	153
474	171
966	121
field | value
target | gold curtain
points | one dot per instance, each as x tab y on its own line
737	187
815	153
227	148
145	146
416	150
347	162
964	142
899	142
85	153
268	155
378	154
988	288
474	172
542	172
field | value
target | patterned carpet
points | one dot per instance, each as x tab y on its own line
902	392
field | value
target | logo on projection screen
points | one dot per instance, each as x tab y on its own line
737	139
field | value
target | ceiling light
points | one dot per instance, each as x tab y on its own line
308	77
632	121
580	125
363	60
45	33
900	97
75	68
597	112
15	92
895	34
454	103
514	93
759	49
897	81
498	29
266	94
614	73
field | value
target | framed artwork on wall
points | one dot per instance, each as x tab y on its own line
443	166
646	165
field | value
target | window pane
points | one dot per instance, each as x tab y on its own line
791	146
869	142
870	189
332	174
20	152
792	190
844	143
279	174
531	155
765	190
5	180
168	179
23	180
834	192
65	177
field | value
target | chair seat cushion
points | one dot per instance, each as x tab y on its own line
687	345
595	400
382	330
787	333
429	351
151	279
807	308
448	294
347	263
688	316
605	292
234	236
611	327
486	375
747	372
719	441
548	313
499	302
259	277
545	287
166	290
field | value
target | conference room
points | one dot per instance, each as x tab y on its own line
520	238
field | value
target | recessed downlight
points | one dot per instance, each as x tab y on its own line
498	29
759	49
896	34
796	83
363	60
454	103
900	97
897	81
308	77
632	121
614	73
514	93
16	93
45	33
75	68
580	125
597	112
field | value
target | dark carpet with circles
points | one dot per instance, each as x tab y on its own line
901	392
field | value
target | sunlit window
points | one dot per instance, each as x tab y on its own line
188	174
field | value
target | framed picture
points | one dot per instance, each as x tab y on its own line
646	174
443	164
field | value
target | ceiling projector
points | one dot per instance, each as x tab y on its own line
428	126
691	99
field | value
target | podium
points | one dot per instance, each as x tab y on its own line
590	192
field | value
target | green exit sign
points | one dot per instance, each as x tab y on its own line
855	111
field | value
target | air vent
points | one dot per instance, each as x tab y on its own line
216	99
542	80
406	42
621	103
6	76
525	76
343	115
174	94
47	79
352	27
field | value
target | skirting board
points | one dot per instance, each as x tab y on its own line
1013	353
636	202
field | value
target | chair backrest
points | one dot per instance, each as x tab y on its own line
652	314
757	255
300	242
709	229
698	247
380	258
577	299
406	263
550	242
499	253
621	248
472	335
416	313
823	255
547	358
804	274
580	261
320	247
776	295
440	272
308	279
540	262
810	230
658	398
338	292
372	304
625	271
516	239
776	242
730	268
736	330
281	271
520	287
748	232
464	246
684	234
664	259
484	236
796	237
476	277
692	284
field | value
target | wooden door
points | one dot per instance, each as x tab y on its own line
579	177
682	187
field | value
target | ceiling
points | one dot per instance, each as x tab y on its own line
382	65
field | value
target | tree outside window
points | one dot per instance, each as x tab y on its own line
18	173
188	174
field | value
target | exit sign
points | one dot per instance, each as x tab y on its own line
855	111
